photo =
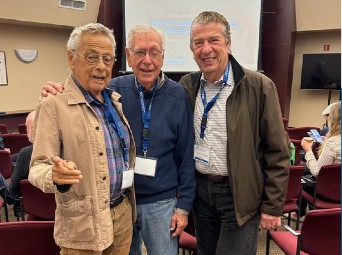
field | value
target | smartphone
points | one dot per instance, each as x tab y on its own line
317	136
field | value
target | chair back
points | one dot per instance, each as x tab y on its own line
6	167
329	182
298	133
15	142
321	232
298	148
37	204
28	237
294	188
22	128
3	129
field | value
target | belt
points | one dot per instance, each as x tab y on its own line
116	201
214	178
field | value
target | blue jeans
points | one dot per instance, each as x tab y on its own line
217	231
153	227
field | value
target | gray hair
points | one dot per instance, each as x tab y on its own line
207	17
144	29
91	28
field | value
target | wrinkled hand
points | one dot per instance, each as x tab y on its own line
178	223
268	222
51	88
64	172
306	146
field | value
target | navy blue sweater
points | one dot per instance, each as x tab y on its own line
171	141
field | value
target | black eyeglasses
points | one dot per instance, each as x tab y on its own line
92	59
154	54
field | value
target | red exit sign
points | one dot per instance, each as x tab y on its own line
326	47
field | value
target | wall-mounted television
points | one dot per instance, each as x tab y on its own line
321	71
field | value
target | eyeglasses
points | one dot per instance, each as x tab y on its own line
154	54
92	59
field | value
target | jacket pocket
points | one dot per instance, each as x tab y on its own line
78	219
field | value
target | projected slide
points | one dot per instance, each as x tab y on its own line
174	18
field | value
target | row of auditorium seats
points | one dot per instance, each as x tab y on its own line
21	128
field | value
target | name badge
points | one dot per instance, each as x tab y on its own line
127	179
201	154
145	166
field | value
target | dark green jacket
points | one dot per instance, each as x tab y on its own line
258	155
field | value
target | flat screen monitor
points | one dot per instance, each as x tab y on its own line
321	71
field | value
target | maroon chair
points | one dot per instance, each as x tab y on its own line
327	191
294	193
15	142
320	235
187	240
28	237
38	205
298	133
6	167
22	128
3	129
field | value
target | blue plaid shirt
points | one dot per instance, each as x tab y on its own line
116	163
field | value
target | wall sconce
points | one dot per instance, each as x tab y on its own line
26	56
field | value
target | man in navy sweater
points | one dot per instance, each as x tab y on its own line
160	116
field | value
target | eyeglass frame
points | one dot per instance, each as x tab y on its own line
86	58
160	53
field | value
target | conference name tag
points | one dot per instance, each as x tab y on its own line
127	178
145	166
201	154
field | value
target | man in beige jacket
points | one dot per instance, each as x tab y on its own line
84	151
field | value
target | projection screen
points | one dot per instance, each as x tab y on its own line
174	18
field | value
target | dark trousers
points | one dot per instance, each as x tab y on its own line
217	231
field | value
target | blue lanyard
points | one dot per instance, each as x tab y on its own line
145	114
208	106
114	122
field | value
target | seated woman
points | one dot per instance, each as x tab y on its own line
329	151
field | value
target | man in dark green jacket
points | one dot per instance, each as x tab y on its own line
241	152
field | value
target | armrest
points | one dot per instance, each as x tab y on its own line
307	179
293	232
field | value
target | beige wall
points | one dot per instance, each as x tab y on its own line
318	15
47	12
307	105
318	24
41	25
25	80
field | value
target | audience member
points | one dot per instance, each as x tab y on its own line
20	172
2	145
329	151
241	151
325	114
84	151
161	119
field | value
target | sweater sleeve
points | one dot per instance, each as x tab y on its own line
185	161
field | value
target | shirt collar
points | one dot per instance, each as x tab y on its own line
160	81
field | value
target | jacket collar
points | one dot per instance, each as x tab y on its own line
75	96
